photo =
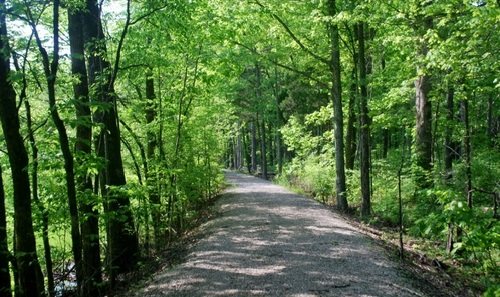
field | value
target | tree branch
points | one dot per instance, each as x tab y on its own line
293	36
294	70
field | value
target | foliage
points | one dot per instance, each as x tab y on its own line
250	82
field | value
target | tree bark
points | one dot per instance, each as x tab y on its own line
423	138
154	196
449	150
29	279
364	120
468	172
263	148
336	97
254	146
122	239
91	254
239	148
350	138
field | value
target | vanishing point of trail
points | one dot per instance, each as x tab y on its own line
268	241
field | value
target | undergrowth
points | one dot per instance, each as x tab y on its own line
429	216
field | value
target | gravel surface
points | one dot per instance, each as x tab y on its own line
269	241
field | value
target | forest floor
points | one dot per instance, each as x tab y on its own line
267	241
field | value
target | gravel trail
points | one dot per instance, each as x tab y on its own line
271	242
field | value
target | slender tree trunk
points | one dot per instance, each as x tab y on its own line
239	149
263	148
271	144
50	69
449	151
364	120
468	172
154	196
350	139
122	242
41	207
248	158
5	287
254	146
29	279
279	149
386	142
336	97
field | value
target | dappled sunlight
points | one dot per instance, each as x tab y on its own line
268	241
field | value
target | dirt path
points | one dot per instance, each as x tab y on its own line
269	241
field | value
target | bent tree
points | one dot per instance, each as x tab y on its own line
29	280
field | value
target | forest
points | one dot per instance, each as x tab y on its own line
118	117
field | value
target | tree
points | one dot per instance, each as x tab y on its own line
122	238
29	281
338	119
50	70
423	87
91	255
364	122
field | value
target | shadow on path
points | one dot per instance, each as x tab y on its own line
269	241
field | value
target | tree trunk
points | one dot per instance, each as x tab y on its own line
336	97
350	139
34	181
423	138
29	281
364	120
279	121
239	149
263	148
254	146
449	150
248	158
468	172
50	70
41	207
386	142
151	181
5	288
91	254
122	239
